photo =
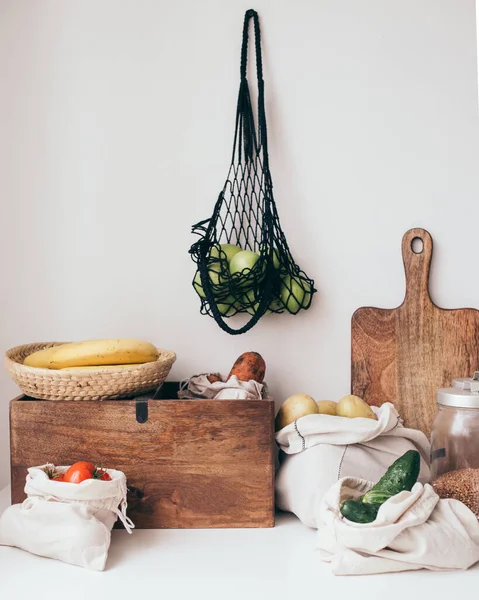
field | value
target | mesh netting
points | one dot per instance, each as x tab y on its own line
244	264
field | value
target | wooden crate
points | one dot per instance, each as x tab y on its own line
189	463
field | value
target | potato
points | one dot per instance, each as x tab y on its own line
295	407
353	406
250	365
326	407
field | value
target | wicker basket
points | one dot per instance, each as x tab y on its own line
49	384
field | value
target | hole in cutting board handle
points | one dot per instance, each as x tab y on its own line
417	245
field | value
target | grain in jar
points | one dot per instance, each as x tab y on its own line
462	485
455	443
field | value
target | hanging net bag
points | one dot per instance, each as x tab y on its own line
244	264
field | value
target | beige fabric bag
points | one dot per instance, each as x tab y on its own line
199	386
65	521
413	530
320	449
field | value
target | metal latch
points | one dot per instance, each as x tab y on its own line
142	410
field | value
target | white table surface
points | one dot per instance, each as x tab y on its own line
226	564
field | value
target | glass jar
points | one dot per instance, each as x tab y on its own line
455	443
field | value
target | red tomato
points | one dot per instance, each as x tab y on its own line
59	477
83	463
103	475
78	473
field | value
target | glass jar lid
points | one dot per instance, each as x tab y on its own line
464	394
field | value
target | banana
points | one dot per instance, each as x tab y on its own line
101	367
93	353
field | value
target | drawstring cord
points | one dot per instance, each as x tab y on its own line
127	522
121	511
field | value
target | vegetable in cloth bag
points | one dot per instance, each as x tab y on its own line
318	450
412	530
67	521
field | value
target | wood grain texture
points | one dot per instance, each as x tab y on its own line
404	355
193	464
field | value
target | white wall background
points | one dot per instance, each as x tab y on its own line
116	124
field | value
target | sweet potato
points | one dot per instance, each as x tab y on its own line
250	365
213	378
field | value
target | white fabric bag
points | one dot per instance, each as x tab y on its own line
199	386
321	449
413	530
65	521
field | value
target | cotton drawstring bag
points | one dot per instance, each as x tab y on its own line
199	386
65	521
318	450
413	530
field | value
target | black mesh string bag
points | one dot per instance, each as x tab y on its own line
244	264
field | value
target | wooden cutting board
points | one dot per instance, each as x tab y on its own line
403	355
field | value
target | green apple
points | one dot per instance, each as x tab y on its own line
218	263
275	305
241	267
275	258
215	270
227	307
197	285
225	250
215	278
294	293
249	302
252	305
245	259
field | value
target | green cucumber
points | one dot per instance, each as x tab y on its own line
400	476
358	512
